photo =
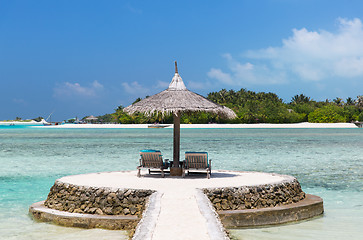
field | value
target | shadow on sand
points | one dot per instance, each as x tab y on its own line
191	175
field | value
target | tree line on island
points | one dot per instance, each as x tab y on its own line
252	107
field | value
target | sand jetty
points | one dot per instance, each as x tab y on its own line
176	208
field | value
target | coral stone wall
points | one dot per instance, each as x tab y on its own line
251	197
106	201
91	200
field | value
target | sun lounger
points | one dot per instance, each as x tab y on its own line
152	159
197	161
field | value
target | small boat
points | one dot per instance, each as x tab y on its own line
50	123
157	125
53	123
46	123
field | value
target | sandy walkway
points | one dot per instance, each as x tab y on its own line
179	208
179	216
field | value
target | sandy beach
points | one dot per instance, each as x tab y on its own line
260	125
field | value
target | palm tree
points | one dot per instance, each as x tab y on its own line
350	101
359	101
223	94
138	100
300	99
338	101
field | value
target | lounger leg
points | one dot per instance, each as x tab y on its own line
183	173
162	173
138	172
208	174
210	168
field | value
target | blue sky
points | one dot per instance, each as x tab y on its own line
80	58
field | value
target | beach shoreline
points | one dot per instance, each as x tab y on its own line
210	126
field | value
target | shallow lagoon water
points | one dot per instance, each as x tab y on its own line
327	162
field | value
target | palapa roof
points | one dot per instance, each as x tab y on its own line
178	99
91	118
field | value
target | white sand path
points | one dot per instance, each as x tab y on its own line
179	208
180	216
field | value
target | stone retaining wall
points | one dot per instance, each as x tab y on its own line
112	222
92	200
253	197
310	206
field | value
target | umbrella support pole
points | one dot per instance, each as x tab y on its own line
176	169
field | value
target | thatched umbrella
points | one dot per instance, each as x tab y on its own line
177	99
91	118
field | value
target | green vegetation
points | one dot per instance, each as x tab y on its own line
38	119
252	107
107	118
17	119
121	117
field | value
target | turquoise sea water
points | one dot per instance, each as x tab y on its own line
327	162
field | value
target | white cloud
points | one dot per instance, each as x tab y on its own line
245	73
19	101
194	86
135	88
68	89
221	76
133	9
162	84
307	55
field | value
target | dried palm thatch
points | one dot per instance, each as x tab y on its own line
176	102
178	99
